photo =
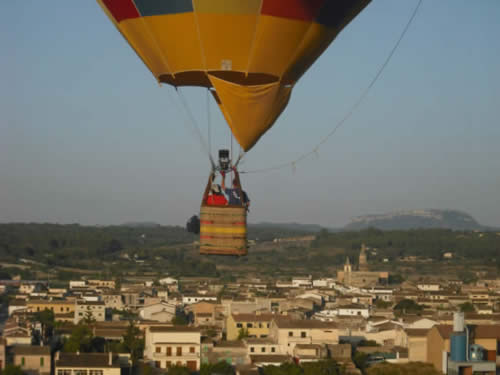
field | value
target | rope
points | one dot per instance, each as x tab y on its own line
194	126
362	97
209	124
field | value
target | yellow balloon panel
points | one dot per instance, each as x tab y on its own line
222	47
250	110
276	41
177	37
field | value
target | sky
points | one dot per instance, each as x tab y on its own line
88	136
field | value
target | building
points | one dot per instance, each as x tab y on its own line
33	360
363	261
354	310
94	310
159	312
89	363
361	278
110	284
480	340
195	298
256	325
171	346
61	308
2	353
417	344
288	333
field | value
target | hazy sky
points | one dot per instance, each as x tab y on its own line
88	136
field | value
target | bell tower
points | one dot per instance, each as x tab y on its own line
363	262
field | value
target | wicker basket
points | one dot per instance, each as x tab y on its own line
223	230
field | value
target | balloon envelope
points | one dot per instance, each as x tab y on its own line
249	52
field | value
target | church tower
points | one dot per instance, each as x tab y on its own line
347	271
363	262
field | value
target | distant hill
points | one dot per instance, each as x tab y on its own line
424	219
141	224
295	227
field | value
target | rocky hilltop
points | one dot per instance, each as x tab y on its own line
431	218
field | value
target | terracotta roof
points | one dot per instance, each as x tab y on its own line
268	358
417	332
305	324
253	317
444	330
259	341
174	329
486	331
230	344
30	350
308	346
87	360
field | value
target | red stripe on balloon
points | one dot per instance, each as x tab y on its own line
121	9
304	10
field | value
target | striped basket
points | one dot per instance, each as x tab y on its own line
223	230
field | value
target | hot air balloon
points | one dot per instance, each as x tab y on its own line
249	53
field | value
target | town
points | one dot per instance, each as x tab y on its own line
355	322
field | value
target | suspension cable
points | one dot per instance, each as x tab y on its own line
355	106
209	123
193	125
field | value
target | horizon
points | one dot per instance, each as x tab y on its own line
81	143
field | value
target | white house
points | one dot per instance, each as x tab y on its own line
96	310
170	346
168	281
298	282
160	312
77	284
353	310
429	287
194	298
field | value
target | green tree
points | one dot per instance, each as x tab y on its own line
412	368
47	320
360	360
178	370
467	307
180	320
328	367
408	306
80	339
88	318
12	370
381	304
284	369
242	333
220	368
133	342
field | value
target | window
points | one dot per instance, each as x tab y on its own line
179	350
22	361
158	349
79	372
157	364
263	349
260	325
290	334
191	349
96	372
273	350
239	325
249	325
267	325
252	349
62	308
169	364
41	361
169	351
302	334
